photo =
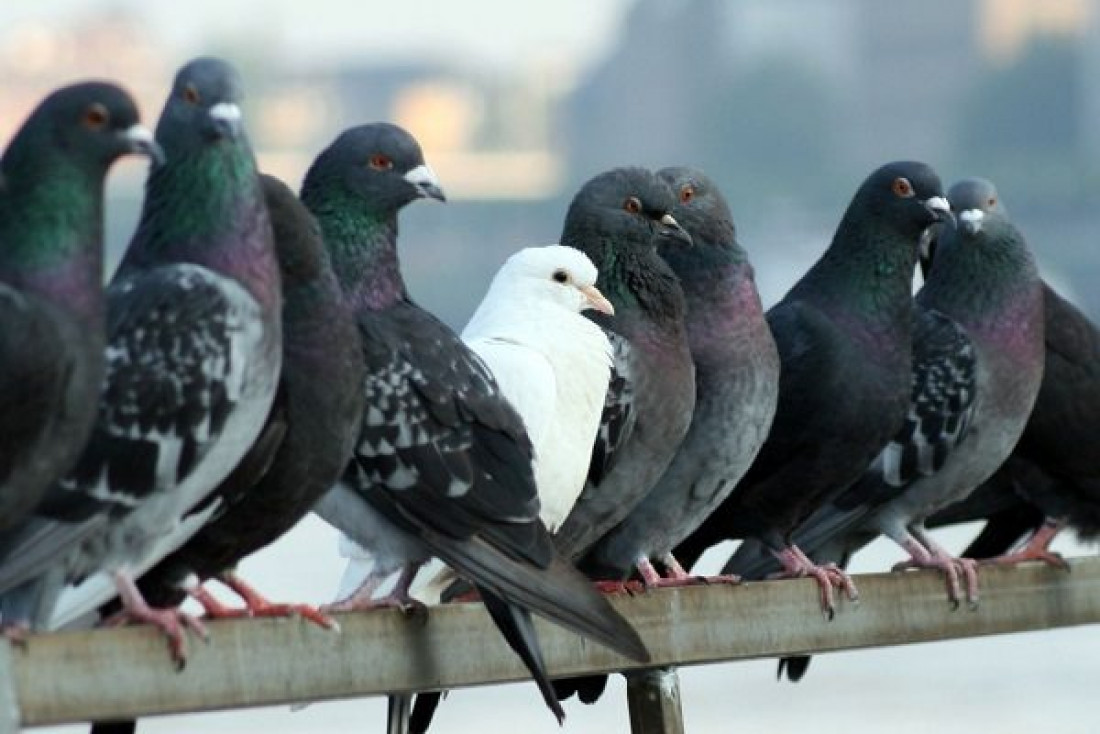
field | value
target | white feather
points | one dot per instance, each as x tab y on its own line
552	364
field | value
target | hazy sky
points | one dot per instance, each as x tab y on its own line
481	31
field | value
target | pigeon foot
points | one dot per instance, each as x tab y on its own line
676	576
797	564
172	622
1037	549
257	605
632	588
952	568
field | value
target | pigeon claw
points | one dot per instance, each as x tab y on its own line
174	623
955	571
257	605
17	633
1037	549
829	576
632	588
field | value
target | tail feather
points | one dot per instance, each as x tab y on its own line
423	711
519	632
559	592
795	667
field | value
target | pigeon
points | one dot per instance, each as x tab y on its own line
619	218
736	383
969	407
844	339
442	464
1053	477
553	366
193	357
51	270
309	434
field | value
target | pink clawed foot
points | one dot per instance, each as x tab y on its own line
172	622
1037	549
828	576
952	569
399	598
619	587
16	633
676	576
256	605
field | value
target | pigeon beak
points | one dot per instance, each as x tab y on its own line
225	120
596	300
138	139
971	220
426	182
672	230
939	208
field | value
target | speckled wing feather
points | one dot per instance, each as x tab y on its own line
617	419
440	439
167	394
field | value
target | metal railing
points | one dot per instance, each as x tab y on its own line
122	673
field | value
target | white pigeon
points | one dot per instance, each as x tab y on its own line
552	363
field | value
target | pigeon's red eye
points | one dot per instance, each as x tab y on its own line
96	116
380	162
191	95
687	194
902	187
633	205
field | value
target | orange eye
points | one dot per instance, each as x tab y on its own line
96	116
902	187
633	205
191	95
380	162
687	194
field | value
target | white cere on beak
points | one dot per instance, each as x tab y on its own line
138	134
226	111
938	203
421	175
971	219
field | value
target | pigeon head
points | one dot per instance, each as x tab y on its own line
975	193
972	196
203	108
983	259
904	197
87	126
555	274
700	207
626	206
380	165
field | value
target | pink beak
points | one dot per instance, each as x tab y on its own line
597	301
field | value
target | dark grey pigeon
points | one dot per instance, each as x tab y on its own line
618	219
193	357
1054	472
51	274
309	434
736	384
443	465
844	337
970	408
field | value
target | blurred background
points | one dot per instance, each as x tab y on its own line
788	104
